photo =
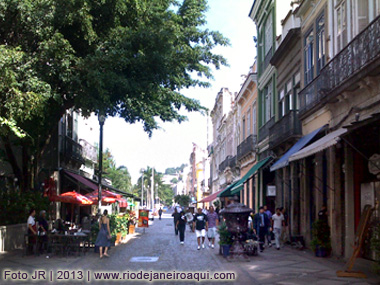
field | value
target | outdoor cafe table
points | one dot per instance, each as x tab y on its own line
61	244
68	244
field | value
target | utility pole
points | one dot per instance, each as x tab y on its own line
152	190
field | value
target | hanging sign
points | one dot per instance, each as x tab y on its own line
143	218
271	190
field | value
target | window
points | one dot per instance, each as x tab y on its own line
281	103
288	97
296	89
309	57
376	8
268	102
268	35
248	122
341	25
360	15
321	39
243	129
254	120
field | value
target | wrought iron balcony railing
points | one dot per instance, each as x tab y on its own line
285	128
355	61
72	149
264	130
247	146
230	162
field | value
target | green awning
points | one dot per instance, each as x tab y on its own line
240	184
227	191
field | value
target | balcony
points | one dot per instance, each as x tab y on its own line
289	126
246	147
264	130
356	61
230	162
72	149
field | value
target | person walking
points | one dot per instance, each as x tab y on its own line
277	224
175	216
269	234
104	235
213	222
181	227
159	213
261	224
201	226
285	231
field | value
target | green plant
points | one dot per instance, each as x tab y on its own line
321	235
15	206
375	246
225	237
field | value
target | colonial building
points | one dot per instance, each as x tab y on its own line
335	162
224	146
246	101
267	15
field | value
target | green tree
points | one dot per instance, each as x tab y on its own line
183	200
163	191
127	58
120	177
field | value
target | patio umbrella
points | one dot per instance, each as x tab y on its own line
123	203
72	198
107	196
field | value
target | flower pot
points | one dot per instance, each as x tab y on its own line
131	229
226	249
118	238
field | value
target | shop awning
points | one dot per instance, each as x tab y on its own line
240	184
301	143
210	198
321	144
226	192
81	180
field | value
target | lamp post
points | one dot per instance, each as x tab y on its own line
101	119
152	191
142	187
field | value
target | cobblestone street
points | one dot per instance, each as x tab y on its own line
287	266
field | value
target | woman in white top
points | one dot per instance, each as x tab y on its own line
32	229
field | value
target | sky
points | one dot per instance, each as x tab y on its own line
172	144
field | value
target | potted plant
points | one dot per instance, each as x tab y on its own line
321	241
225	239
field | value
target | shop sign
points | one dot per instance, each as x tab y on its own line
271	190
143	218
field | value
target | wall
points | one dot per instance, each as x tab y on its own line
12	237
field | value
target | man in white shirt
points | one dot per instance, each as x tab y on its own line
277	224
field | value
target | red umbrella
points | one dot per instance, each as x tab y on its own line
107	196
123	203
72	198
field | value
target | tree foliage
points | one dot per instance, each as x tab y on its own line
120	177
183	200
163	191
127	58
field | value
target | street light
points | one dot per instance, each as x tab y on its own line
101	119
142	187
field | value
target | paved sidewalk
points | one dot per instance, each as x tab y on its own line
287	266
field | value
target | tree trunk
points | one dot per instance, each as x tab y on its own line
11	158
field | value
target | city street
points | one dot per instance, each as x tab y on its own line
287	266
